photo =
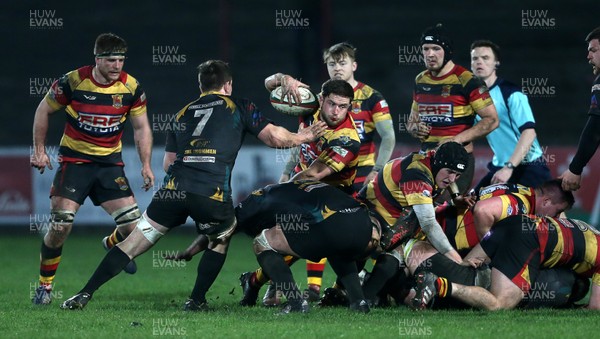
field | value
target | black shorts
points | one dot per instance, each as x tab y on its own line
340	235
171	208
101	182
514	250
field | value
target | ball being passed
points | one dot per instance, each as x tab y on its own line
308	102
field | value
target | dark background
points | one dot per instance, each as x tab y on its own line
245	34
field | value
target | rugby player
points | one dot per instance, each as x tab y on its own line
198	180
97	101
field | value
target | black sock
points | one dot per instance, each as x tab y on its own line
274	265
385	268
113	263
208	269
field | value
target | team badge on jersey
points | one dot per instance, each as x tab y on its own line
356	107
344	139
117	100
122	183
446	90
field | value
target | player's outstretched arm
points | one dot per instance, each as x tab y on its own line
277	136
198	245
288	83
588	144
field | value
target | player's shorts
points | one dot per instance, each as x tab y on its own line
171	208
342	235
514	250
101	182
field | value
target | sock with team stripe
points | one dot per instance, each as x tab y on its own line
114	239
314	272
49	260
443	286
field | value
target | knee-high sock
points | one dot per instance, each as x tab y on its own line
49	260
384	269
208	269
113	263
314	272
274	265
262	278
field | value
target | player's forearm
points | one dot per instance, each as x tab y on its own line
385	129
292	160
588	143
481	129
273	81
40	126
436	236
40	130
143	143
412	125
523	145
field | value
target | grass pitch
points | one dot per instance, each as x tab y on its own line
148	304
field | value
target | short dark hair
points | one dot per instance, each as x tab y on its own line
594	34
338	51
108	44
487	43
553	189
213	74
337	87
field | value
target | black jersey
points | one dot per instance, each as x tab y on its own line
207	135
294	204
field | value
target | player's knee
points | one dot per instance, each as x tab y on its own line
62	220
261	243
127	217
148	231
224	232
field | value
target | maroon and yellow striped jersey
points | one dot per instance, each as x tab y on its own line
449	103
338	149
459	226
569	243
96	114
401	183
368	108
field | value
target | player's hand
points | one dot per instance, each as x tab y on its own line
473	262
185	255
465	201
570	181
40	160
289	88
421	131
370	177
454	256
313	132
502	175
148	178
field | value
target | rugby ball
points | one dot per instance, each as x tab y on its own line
308	102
